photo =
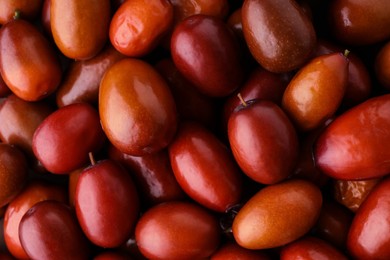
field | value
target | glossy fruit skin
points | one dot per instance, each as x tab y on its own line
13	172
152	174
137	26
260	84
263	220
22	118
333	223
368	236
28	64
137	110
279	34
177	230
49	230
382	64
263	141
28	9
316	91
311	248
359	86
106	203
82	80
231	251
204	167
33	193
80	34
352	193
217	71
354	145
64	139
360	22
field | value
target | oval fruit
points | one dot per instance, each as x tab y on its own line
106	203
316	91
33	193
360	22
152	174
28	63
204	167
137	26
279	34
207	53
354	145
263	141
82	80
49	230
177	230
311	248
137	110
27	9
64	139
263	221
22	118
230	251
13	173
368	236
80	27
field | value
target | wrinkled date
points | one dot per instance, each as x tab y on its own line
202	129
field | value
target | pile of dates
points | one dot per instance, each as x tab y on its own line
194	129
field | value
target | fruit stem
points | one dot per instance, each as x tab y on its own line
242	100
91	159
346	52
16	15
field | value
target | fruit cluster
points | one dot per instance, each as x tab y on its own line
202	129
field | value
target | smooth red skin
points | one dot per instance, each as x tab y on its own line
333	223
204	168
82	80
360	22
260	84
28	9
311	248
133	93
107	204
368	236
264	219
28	63
191	104
138	26
33	193
72	184
352	193
354	145
45	17
305	166
177	230
207	53
13	172
315	93
4	89
232	251
49	230
252	131
22	118
64	139
359	85
279	34
152	174
79	34
382	66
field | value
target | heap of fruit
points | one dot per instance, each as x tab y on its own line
202	129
